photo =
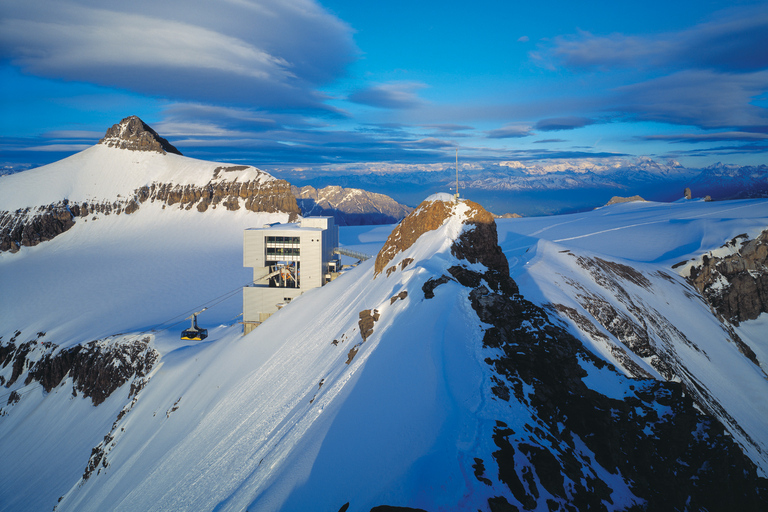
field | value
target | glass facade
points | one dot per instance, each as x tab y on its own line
282	248
282	251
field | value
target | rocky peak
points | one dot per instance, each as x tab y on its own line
477	242
132	133
428	216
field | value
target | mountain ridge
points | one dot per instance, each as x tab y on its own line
131	166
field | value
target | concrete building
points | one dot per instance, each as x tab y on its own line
287	260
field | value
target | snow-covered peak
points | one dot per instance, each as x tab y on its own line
104	173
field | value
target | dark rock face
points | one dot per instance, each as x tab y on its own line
578	443
97	368
349	206
133	134
30	226
736	286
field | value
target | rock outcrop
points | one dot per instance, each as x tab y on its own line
349	206
428	216
619	199
132	133
735	284
97	368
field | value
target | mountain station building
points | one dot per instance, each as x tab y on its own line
287	260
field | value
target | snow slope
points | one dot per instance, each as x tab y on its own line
303	413
552	266
101	173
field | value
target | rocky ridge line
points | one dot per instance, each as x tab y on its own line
558	457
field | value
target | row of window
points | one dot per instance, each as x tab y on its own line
282	251
283	239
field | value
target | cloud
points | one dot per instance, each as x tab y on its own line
734	42
720	151
562	123
72	134
259	52
510	132
57	148
392	95
703	98
523	39
709	137
547	141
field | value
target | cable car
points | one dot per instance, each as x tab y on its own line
194	332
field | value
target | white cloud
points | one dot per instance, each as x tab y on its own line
255	52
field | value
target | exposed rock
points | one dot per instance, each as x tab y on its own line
619	199
400	296
30	227
97	368
429	286
349	206
479	244
736	285
429	216
133	134
508	216
367	319
687	193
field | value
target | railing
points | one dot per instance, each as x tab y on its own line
352	254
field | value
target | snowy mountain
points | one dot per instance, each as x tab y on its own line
349	207
131	168
551	363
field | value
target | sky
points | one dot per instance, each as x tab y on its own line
326	84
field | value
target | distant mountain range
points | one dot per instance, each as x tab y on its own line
550	187
349	207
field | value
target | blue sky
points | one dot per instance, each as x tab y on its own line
307	84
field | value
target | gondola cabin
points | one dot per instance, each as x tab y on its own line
194	333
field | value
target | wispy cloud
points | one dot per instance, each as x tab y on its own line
392	95
563	123
709	137
510	132
708	76
735	42
701	98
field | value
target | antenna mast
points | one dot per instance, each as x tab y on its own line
456	195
